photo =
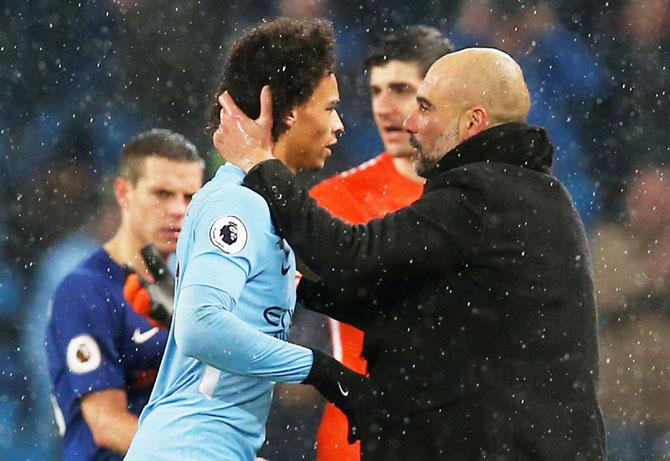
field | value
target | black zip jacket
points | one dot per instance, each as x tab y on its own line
481	329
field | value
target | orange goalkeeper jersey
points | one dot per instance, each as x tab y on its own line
368	191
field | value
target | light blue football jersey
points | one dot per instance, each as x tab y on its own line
234	299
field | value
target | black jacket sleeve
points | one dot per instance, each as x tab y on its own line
347	303
424	237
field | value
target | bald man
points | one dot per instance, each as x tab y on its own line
482	339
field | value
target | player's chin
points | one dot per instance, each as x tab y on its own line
167	244
395	138
321	163
400	150
316	166
317	163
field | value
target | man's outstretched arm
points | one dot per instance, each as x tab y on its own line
408	240
349	303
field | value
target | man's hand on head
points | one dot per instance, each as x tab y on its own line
240	140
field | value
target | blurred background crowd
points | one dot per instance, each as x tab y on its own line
77	79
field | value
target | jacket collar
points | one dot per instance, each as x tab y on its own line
513	143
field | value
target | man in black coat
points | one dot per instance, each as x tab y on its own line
480	309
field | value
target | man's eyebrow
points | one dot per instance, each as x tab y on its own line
423	101
401	85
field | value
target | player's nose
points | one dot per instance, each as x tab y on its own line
337	125
179	205
382	104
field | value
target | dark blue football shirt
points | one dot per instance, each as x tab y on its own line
95	341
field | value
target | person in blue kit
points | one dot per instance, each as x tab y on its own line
235	281
103	356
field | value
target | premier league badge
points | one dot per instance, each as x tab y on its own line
229	234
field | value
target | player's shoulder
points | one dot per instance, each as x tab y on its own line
225	194
353	180
91	268
90	279
381	161
226	206
355	174
235	200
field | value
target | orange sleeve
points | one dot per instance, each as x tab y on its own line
368	191
331	437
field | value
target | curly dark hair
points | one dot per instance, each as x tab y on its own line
418	43
290	55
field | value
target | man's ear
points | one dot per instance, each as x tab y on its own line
474	122
290	118
122	190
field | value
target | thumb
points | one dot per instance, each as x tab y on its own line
264	120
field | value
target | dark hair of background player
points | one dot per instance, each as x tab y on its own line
421	44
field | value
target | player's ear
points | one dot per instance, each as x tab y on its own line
122	188
290	118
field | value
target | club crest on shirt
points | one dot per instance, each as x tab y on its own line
229	234
83	354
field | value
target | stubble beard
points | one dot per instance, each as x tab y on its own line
425	161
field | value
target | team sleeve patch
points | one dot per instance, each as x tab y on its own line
83	354
229	234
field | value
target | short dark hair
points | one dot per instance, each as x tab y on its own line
290	55
418	43
155	142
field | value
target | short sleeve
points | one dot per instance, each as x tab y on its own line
228	238
84	325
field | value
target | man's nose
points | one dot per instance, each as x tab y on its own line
410	123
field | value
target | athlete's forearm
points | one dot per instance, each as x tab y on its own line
120	432
106	414
206	330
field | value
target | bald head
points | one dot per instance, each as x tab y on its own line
463	94
483	77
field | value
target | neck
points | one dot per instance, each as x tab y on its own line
405	167
124	248
279	151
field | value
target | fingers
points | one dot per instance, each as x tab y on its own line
240	140
132	286
142	303
264	120
230	109
231	115
224	100
228	106
137	295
